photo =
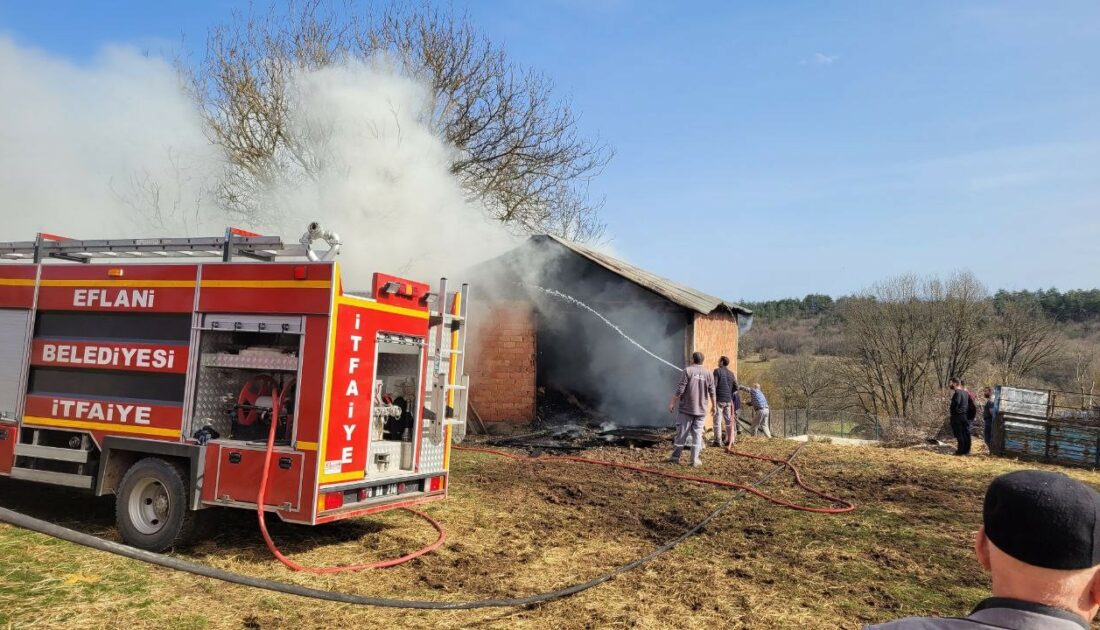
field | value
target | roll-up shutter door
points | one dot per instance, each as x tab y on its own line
13	348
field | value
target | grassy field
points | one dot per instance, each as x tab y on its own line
516	528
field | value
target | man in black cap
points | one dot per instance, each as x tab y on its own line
1040	540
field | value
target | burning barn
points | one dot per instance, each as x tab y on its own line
565	333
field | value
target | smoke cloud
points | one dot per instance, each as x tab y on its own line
385	180
77	140
578	353
116	148
582	354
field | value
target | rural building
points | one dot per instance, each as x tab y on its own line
530	346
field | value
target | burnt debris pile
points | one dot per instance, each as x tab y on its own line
555	407
568	423
569	438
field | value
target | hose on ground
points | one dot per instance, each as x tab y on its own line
43	527
260	513
847	505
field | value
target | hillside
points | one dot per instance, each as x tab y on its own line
823	353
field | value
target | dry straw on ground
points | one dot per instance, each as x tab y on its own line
516	528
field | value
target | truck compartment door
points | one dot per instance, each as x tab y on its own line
13	356
239	470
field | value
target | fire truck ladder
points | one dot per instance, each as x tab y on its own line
235	243
450	384
70	462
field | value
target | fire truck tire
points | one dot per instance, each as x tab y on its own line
151	507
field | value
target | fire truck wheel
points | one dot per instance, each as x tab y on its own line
151	506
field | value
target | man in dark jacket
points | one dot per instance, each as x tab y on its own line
987	415
1040	542
725	388
960	414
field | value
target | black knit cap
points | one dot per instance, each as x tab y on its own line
1044	519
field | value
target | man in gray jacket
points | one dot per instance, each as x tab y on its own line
1040	540
694	392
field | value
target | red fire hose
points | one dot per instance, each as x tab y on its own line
847	506
381	564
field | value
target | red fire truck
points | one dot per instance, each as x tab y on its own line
158	382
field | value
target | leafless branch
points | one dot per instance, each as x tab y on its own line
520	152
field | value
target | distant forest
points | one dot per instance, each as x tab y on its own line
1076	305
889	350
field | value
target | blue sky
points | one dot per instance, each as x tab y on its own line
770	149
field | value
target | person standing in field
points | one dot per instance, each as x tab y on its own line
960	412
987	415
725	388
972	408
693	393
761	414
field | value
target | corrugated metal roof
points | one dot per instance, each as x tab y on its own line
673	291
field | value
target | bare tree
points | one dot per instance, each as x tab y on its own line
1024	340
963	315
1085	370
810	383
519	149
893	332
172	200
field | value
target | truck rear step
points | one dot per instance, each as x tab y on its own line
49	476
54	453
54	464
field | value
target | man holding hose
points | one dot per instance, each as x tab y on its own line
694	393
761	414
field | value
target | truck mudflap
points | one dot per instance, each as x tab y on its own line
8	437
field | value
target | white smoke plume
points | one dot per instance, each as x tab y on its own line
385	183
75	138
115	148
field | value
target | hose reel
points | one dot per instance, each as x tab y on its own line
256	404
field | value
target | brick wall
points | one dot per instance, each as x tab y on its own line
715	335
501	362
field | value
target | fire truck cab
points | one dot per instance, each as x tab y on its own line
158	382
